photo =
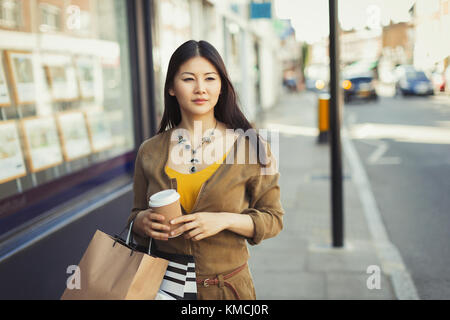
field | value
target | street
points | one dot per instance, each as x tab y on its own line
404	146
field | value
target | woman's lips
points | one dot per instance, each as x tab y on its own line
200	101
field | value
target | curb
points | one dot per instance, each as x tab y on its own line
391	260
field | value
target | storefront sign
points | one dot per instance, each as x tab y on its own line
260	10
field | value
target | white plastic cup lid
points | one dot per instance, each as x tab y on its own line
163	198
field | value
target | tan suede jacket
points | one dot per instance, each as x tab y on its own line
234	187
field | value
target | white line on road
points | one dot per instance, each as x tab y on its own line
293	130
376	157
391	260
400	133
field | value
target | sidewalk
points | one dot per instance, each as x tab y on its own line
300	263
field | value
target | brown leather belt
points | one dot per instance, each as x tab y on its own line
222	278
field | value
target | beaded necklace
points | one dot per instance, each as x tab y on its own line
194	160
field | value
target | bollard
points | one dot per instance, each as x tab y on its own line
323	119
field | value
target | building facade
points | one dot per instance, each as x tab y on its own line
432	25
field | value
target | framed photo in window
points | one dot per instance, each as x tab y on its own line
20	65
61	77
5	100
74	135
43	149
115	119
99	130
12	164
86	76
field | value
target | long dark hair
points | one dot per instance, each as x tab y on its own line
226	110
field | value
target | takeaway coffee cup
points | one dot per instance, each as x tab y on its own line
167	203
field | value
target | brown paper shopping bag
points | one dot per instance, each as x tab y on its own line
112	269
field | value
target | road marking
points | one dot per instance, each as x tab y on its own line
391	260
445	124
376	157
400	133
293	130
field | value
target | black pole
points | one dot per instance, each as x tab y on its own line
134	70
148	16
335	131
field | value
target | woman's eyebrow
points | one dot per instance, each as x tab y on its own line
194	73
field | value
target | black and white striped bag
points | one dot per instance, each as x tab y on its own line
179	282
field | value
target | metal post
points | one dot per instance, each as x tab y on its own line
335	130
148	16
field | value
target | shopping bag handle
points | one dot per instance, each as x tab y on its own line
130	238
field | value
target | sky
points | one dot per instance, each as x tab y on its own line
310	17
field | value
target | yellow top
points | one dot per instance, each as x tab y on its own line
189	184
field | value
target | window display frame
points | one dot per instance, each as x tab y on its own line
20	156
92	132
74	125
70	86
4	85
20	210
31	154
18	86
87	88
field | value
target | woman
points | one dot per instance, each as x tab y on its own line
225	201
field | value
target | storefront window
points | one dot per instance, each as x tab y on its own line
172	25
233	53
65	93
10	13
50	18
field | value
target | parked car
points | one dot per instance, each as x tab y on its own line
447	79
438	80
359	86
412	82
317	77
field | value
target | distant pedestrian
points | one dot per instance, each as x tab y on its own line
224	202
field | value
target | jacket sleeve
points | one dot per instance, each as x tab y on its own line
265	207
140	184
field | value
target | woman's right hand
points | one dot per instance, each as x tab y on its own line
149	223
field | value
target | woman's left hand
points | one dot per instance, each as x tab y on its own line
201	225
